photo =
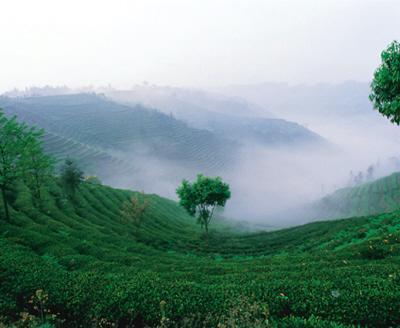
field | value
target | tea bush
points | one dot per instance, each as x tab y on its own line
98	270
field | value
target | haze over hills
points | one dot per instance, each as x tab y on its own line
166	134
306	102
340	112
80	248
179	132
173	186
119	143
137	146
231	117
380	196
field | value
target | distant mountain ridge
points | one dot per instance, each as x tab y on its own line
306	102
231	117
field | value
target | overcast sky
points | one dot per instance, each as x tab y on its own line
192	42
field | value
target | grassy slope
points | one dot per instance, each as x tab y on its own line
93	265
382	195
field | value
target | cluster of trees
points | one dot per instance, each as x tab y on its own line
361	177
22	159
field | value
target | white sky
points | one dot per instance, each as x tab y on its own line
192	42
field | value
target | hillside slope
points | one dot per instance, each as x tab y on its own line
379	196
113	140
231	118
96	267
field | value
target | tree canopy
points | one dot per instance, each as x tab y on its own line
21	158
71	176
201	197
134	209
385	87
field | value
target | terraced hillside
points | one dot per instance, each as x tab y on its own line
231	118
83	265
379	196
103	134
93	159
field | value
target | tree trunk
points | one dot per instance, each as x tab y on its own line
37	184
206	228
6	212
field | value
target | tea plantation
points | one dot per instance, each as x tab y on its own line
84	125
77	263
382	195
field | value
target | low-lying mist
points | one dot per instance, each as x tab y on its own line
270	184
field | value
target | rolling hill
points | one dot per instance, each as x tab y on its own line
112	140
229	117
379	196
93	267
73	260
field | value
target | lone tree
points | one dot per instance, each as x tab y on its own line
133	210
201	197
71	176
385	87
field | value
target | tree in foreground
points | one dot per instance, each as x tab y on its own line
385	87
37	165
71	176
21	157
201	197
134	209
11	148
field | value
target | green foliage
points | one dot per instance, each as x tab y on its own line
245	314
71	176
201	197
21	156
134	209
385	87
38	166
11	146
73	124
374	197
91	269
97	271
312	322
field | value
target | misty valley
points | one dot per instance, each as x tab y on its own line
254	182
150	138
83	234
